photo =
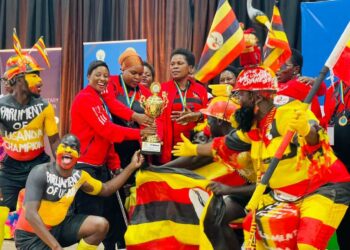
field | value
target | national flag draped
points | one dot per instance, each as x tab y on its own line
40	46
276	50
16	43
342	67
224	43
169	205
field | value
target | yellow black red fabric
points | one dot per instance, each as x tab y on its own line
23	127
169	131
93	126
296	176
169	205
55	193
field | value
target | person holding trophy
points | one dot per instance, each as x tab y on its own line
91	122
184	94
127	89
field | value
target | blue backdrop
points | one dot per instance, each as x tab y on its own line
109	52
322	26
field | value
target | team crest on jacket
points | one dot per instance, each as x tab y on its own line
281	100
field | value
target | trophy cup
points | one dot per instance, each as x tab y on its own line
153	106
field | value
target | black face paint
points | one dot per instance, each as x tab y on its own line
71	141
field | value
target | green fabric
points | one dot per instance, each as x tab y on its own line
333	243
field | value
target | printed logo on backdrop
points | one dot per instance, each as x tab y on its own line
109	52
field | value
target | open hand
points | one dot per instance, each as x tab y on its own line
185	148
188	117
142	119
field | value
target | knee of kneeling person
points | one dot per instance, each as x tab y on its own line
101	226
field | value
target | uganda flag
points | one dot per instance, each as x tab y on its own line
16	43
276	50
169	205
224	43
41	48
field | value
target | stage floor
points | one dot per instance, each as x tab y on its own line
10	245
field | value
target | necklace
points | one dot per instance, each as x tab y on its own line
265	126
129	101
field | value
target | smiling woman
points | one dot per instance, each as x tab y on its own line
91	122
98	74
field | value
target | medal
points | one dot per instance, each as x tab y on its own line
342	120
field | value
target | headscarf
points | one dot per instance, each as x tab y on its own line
129	58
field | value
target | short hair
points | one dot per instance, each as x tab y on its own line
297	58
186	53
232	69
150	67
94	64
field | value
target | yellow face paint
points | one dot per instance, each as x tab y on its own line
62	149
32	80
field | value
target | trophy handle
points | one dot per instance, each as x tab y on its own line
142	101
165	100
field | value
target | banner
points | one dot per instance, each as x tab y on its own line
109	52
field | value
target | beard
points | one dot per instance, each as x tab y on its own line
245	118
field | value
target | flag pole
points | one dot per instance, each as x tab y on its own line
332	59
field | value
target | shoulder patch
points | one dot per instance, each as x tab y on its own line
280	100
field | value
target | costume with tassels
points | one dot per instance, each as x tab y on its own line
25	118
301	184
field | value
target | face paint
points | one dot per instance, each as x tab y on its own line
66	156
34	83
32	79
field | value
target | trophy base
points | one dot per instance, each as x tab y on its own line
151	148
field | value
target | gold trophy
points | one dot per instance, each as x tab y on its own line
153	106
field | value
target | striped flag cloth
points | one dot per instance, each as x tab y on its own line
40	46
16	43
342	67
224	43
169	206
276	50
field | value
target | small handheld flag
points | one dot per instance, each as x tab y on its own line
40	46
276	50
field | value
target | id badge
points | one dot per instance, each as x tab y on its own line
330	132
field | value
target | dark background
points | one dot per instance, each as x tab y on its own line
166	24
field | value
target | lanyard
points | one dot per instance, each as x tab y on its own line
106	108
182	97
341	92
131	100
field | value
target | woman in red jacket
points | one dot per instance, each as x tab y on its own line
91	122
126	88
184	94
